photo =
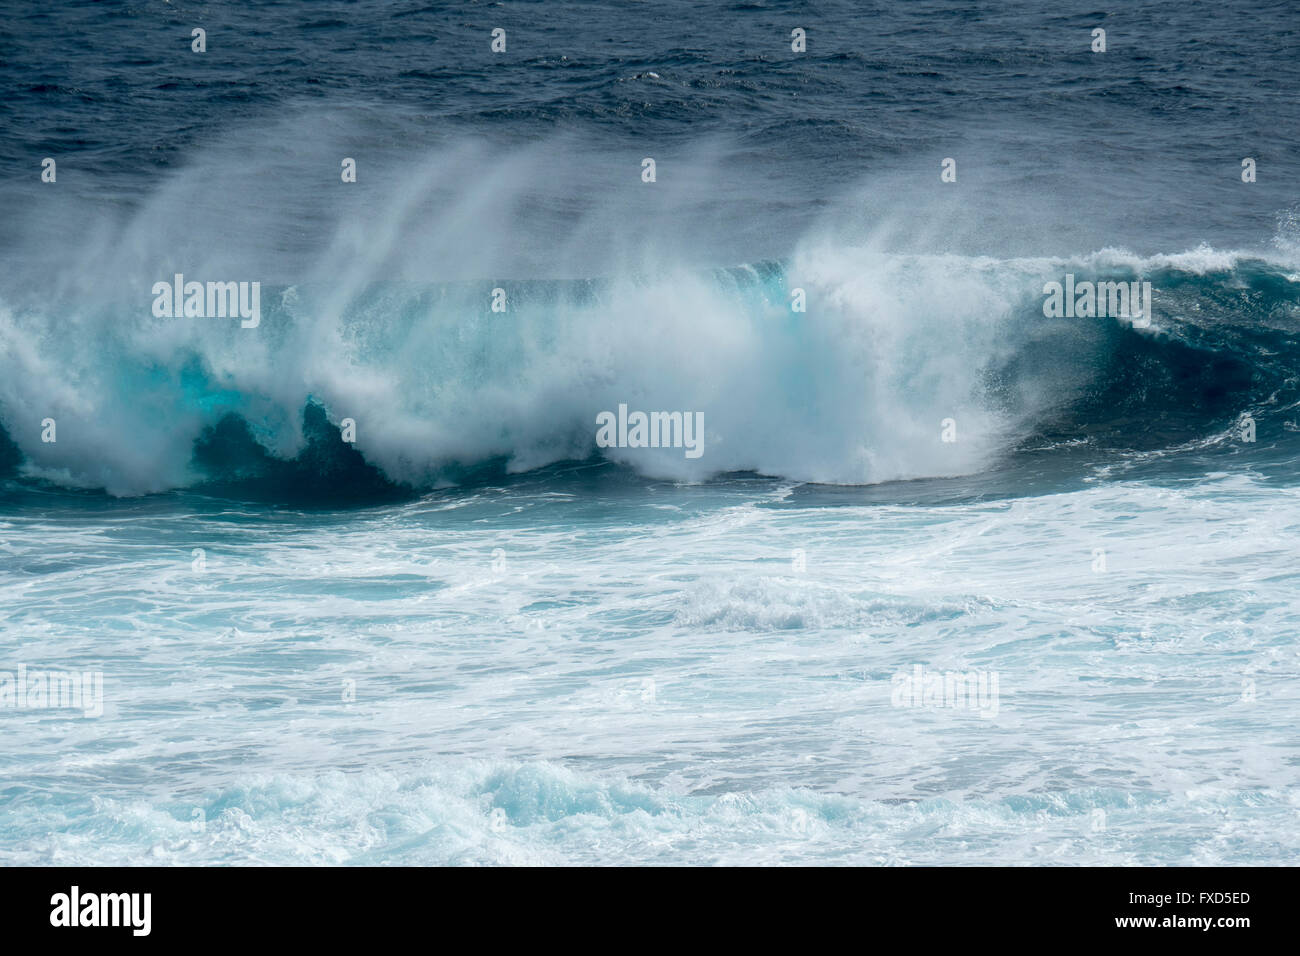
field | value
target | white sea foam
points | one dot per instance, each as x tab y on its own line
651	684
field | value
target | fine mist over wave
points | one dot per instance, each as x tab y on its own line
382	313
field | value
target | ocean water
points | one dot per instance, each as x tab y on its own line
950	582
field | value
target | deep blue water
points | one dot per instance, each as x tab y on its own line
1064	149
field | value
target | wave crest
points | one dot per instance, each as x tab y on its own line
855	390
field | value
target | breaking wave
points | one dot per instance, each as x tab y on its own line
851	391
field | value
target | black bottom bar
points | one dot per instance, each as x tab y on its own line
1217	906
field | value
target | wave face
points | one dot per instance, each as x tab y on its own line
852	391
